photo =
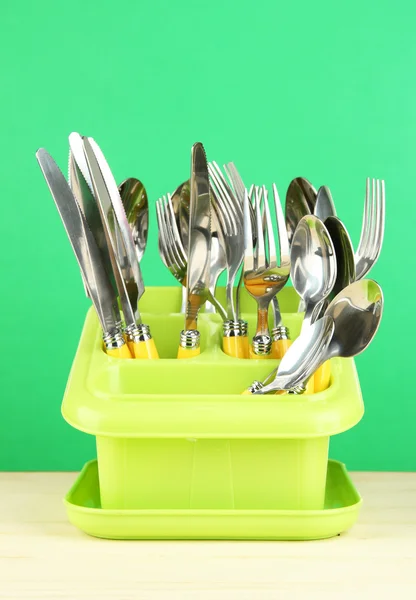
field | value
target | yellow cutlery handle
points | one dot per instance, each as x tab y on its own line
121	352
235	346
246	345
310	386
188	352
145	349
246	393
322	377
279	348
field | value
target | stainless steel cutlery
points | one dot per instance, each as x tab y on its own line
372	232
314	265
134	199
199	252
97	200
213	224
88	256
266	265
356	314
123	256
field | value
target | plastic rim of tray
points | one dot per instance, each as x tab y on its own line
342	505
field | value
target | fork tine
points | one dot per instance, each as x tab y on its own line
364	227
177	248
167	233
228	190
281	229
234	201
163	236
236	181
176	235
248	236
161	240
371	229
172	248
222	194
382	212
378	225
221	210
269	229
259	253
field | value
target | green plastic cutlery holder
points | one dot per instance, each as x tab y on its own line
178	434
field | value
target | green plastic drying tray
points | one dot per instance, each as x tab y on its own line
176	436
341	508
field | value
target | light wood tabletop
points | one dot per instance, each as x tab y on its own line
42	556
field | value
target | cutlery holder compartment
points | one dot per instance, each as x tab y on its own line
178	434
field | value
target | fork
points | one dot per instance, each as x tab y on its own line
372	231
239	189
263	276
231	221
280	334
171	248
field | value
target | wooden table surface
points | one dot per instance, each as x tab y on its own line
43	556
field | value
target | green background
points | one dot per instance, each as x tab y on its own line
320	89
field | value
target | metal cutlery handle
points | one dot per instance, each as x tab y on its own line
140	341
280	341
189	345
235	341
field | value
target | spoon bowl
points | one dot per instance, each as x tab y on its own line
344	253
357	312
314	267
134	198
324	206
300	201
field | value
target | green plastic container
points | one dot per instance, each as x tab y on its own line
176	436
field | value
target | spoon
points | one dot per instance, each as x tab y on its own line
356	313
324	206
134	198
314	267
299	358
344	253
300	201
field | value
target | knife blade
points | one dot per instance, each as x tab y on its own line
121	248
81	184
199	251
87	254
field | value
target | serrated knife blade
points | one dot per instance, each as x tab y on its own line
87	254
110	226
128	256
80	182
122	252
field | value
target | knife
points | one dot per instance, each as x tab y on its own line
88	256
199	251
123	256
81	184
